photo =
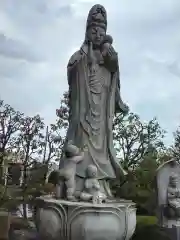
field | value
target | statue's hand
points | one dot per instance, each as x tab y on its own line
125	109
122	108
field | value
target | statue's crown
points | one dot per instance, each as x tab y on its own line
97	16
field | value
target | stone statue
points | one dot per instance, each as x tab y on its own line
73	156
94	97
84	208
91	190
168	193
173	196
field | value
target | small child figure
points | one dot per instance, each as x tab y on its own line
73	156
92	187
106	44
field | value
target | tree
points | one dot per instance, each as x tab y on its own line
29	142
53	142
134	138
30	138
10	122
62	122
138	144
24	136
140	185
63	113
164	156
145	180
175	148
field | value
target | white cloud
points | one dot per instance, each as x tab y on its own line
41	35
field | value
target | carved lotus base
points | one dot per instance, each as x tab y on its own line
63	220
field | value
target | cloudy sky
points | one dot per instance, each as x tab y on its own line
37	38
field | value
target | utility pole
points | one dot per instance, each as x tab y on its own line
45	147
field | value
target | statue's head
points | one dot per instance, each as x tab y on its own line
92	171
96	25
71	150
173	180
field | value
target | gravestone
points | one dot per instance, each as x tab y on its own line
168	197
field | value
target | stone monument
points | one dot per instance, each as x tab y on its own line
84	207
168	197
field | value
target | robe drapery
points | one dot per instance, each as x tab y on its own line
92	106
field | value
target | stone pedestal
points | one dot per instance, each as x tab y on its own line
59	219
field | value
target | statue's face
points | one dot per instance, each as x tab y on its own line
96	35
71	150
92	171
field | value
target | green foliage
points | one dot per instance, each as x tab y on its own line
134	138
140	183
139	147
53	177
175	148
37	173
53	143
24	136
7	198
10	121
63	112
37	190
146	220
30	138
12	197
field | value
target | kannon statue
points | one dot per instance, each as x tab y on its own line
94	97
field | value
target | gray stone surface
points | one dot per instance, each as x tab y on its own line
60	219
94	87
67	172
84	208
168	193
91	191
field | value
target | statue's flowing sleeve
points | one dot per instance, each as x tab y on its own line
73	94
119	105
73	74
